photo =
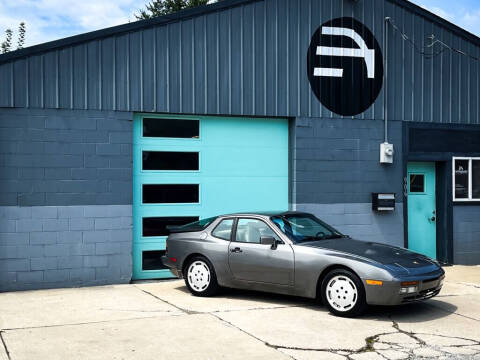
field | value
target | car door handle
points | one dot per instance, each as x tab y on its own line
236	250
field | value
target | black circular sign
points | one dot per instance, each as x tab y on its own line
345	66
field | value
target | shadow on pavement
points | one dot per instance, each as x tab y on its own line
413	312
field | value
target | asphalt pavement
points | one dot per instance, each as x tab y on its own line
161	320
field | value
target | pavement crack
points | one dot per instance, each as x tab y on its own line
470	284
453	313
77	324
186	311
4	345
244	331
412	335
254	309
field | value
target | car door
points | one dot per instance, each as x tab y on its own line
251	261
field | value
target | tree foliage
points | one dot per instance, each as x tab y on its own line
156	8
6	46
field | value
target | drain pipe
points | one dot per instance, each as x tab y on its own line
386	149
385	76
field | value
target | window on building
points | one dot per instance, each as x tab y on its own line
158	226
170	194
171	128
170	160
466	179
152	260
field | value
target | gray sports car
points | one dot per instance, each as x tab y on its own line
297	254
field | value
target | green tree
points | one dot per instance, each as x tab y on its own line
162	7
6	46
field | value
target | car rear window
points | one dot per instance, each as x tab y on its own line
192	227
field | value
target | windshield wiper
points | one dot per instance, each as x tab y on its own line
336	236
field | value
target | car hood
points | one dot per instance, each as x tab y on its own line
395	259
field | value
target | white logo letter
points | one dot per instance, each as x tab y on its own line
367	54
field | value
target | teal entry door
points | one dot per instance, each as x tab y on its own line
187	168
422	216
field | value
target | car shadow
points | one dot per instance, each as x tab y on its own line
416	312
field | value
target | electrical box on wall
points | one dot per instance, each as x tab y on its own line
383	202
386	153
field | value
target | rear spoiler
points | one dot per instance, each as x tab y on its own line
175	229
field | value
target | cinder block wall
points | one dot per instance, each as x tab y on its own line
65	198
336	169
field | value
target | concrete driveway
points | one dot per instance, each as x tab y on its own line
161	320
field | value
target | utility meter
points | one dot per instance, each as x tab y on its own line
386	153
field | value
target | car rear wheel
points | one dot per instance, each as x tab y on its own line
200	277
343	293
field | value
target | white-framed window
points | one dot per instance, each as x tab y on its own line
466	178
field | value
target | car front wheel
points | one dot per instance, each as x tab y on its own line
343	293
200	277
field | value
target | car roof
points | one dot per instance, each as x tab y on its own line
264	213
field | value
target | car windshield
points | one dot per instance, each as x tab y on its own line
304	227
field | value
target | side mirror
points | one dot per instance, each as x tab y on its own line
269	240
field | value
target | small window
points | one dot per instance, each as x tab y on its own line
171	194
417	183
171	128
224	229
466	179
476	179
251	230
169	160
157	226
152	260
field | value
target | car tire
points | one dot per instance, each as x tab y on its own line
200	277
343	293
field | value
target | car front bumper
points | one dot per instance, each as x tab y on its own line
389	292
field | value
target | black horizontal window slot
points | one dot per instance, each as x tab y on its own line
171	194
169	160
152	260
157	226
171	128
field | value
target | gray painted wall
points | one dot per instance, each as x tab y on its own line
246	60
337	161
61	246
360	222
64	157
65	198
466	235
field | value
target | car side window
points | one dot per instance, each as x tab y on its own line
224	229
251	230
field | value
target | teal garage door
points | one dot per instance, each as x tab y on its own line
187	168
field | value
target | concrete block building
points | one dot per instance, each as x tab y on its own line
313	105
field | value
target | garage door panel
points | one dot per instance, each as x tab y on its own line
244	132
242	166
251	161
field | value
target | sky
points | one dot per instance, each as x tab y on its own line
55	19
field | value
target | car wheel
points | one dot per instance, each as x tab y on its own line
200	277
343	293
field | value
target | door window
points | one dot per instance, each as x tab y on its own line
417	183
251	230
224	229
